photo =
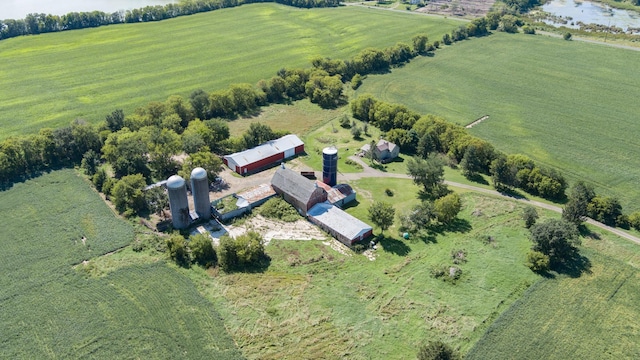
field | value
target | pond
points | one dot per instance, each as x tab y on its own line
592	13
18	9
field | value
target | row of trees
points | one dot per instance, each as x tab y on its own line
39	23
231	254
423	135
584	202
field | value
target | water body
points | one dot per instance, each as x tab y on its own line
18	9
592	13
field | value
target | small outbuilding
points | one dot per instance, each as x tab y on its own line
264	156
297	190
344	227
339	195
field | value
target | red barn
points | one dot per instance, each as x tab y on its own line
264	156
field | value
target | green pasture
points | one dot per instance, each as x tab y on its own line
569	105
593	317
314	302
49	80
52	308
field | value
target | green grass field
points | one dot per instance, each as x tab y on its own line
569	105
313	302
52	310
593	317
50	80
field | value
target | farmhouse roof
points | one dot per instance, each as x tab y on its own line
294	184
385	145
338	220
265	150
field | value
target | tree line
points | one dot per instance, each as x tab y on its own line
424	135
40	23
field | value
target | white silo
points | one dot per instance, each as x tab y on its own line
178	202
200	191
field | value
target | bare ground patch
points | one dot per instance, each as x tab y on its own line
458	8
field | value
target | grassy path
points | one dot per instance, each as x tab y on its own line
371	172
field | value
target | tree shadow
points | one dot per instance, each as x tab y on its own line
585	232
574	266
457	226
378	166
255	268
393	246
512	193
477	178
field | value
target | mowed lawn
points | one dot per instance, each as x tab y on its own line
51	310
570	105
50	80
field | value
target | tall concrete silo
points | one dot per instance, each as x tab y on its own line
330	165
178	202
200	191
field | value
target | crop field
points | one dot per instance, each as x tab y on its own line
50	80
51	310
569	105
596	316
314	302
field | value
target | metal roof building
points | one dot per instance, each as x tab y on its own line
265	155
344	227
297	190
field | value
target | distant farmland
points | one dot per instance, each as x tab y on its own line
50	80
570	105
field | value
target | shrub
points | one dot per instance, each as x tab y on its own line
537	261
277	208
202	250
344	122
530	216
447	273
528	30
566	36
388	191
244	251
459	256
178	250
356	131
356	81
437	350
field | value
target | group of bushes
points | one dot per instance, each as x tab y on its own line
245	251
38	23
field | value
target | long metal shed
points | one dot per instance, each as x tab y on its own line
266	155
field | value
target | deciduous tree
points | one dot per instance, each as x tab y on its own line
382	214
555	238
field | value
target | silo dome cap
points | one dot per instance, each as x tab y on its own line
330	150
175	182
199	173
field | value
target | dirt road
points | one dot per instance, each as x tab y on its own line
371	172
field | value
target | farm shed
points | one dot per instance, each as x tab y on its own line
338	195
342	226
297	190
264	156
244	202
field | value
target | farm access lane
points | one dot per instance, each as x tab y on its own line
371	172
